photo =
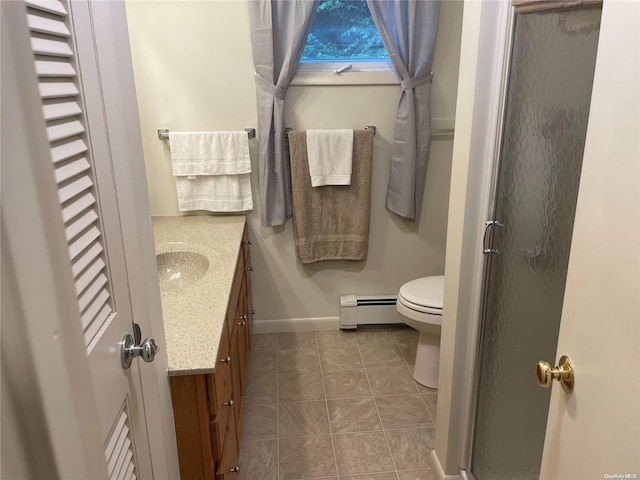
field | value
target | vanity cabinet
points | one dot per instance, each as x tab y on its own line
207	407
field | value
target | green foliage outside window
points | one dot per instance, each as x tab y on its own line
344	30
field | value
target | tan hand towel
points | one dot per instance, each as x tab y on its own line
331	222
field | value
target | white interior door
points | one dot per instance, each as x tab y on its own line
72	115
595	430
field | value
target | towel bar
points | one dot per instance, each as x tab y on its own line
368	127
163	133
435	132
442	131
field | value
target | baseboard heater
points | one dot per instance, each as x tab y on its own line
367	310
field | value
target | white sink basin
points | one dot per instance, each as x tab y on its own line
179	269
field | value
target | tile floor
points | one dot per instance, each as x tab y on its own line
336	406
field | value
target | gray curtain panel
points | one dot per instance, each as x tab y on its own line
408	29
279	30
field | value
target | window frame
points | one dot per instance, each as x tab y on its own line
360	73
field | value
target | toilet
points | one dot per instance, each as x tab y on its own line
420	306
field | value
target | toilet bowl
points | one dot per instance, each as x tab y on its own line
420	306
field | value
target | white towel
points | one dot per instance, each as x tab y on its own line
330	155
216	193
210	153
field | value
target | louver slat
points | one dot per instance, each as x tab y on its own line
81	224
64	130
92	292
56	111
55	48
72	169
78	206
91	312
58	89
93	328
41	24
73	189
48	68
83	242
92	272
51	6
86	259
68	150
130	474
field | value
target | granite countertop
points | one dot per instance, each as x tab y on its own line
194	306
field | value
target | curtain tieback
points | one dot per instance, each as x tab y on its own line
411	83
270	88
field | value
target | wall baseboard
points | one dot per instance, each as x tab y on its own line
437	470
287	325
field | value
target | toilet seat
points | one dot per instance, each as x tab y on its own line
423	295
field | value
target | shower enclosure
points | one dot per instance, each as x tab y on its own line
544	123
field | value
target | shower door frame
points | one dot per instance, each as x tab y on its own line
475	353
497	91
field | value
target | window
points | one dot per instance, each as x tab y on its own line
343	30
344	37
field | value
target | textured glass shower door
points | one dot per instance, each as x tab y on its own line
545	123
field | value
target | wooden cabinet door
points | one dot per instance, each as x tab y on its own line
193	427
236	376
228	465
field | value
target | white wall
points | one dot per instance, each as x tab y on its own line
194	71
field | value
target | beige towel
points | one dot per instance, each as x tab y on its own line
331	222
539	6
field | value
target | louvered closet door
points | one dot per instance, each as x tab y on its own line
80	153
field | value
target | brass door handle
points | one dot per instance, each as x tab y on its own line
545	374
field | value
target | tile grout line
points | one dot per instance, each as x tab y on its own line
336	398
345	433
326	405
373	397
433	420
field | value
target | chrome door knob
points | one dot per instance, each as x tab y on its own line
129	350
546	374
235	469
149	348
